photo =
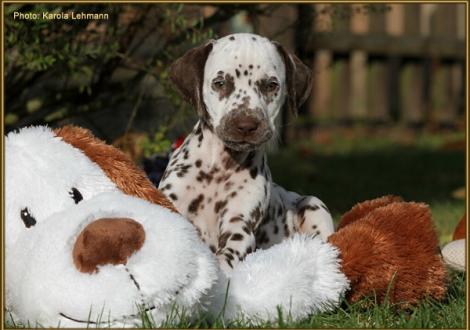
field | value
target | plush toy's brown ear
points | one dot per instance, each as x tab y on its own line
298	77
461	229
392	253
363	208
117	165
187	73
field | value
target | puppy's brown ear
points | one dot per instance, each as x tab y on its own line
187	73
298	78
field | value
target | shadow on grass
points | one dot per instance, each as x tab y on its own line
342	180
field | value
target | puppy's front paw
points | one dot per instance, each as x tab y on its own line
226	263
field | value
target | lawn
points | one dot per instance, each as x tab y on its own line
347	170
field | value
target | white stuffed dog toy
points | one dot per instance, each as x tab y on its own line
80	250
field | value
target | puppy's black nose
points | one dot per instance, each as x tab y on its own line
247	125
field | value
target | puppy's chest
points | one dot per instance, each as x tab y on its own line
205	191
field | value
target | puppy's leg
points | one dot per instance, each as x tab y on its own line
236	240
303	214
311	216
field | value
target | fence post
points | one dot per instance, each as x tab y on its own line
341	74
446	80
358	62
320	102
394	26
412	73
377	75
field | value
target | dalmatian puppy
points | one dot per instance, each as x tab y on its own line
219	178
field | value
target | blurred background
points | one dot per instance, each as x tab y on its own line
386	116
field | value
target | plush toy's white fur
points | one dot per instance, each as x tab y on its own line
301	275
173	267
40	170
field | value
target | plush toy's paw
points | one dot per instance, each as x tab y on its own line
392	252
361	209
300	275
454	254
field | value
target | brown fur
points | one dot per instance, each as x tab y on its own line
187	73
361	209
298	77
107	241
392	251
461	229
117	165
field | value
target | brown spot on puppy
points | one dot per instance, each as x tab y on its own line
226	89
203	176
235	219
236	237
195	203
223	239
219	205
254	172
166	187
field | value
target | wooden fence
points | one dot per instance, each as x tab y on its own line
378	63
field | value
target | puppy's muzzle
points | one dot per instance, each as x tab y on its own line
244	130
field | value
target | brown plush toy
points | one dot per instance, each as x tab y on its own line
389	249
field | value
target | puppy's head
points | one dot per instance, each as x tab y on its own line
239	83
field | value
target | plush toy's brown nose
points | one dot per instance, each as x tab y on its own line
107	241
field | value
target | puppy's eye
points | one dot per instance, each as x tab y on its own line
218	83
76	195
272	86
27	218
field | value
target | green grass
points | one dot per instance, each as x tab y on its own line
347	171
365	314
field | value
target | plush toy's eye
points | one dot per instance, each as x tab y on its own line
27	218
76	195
